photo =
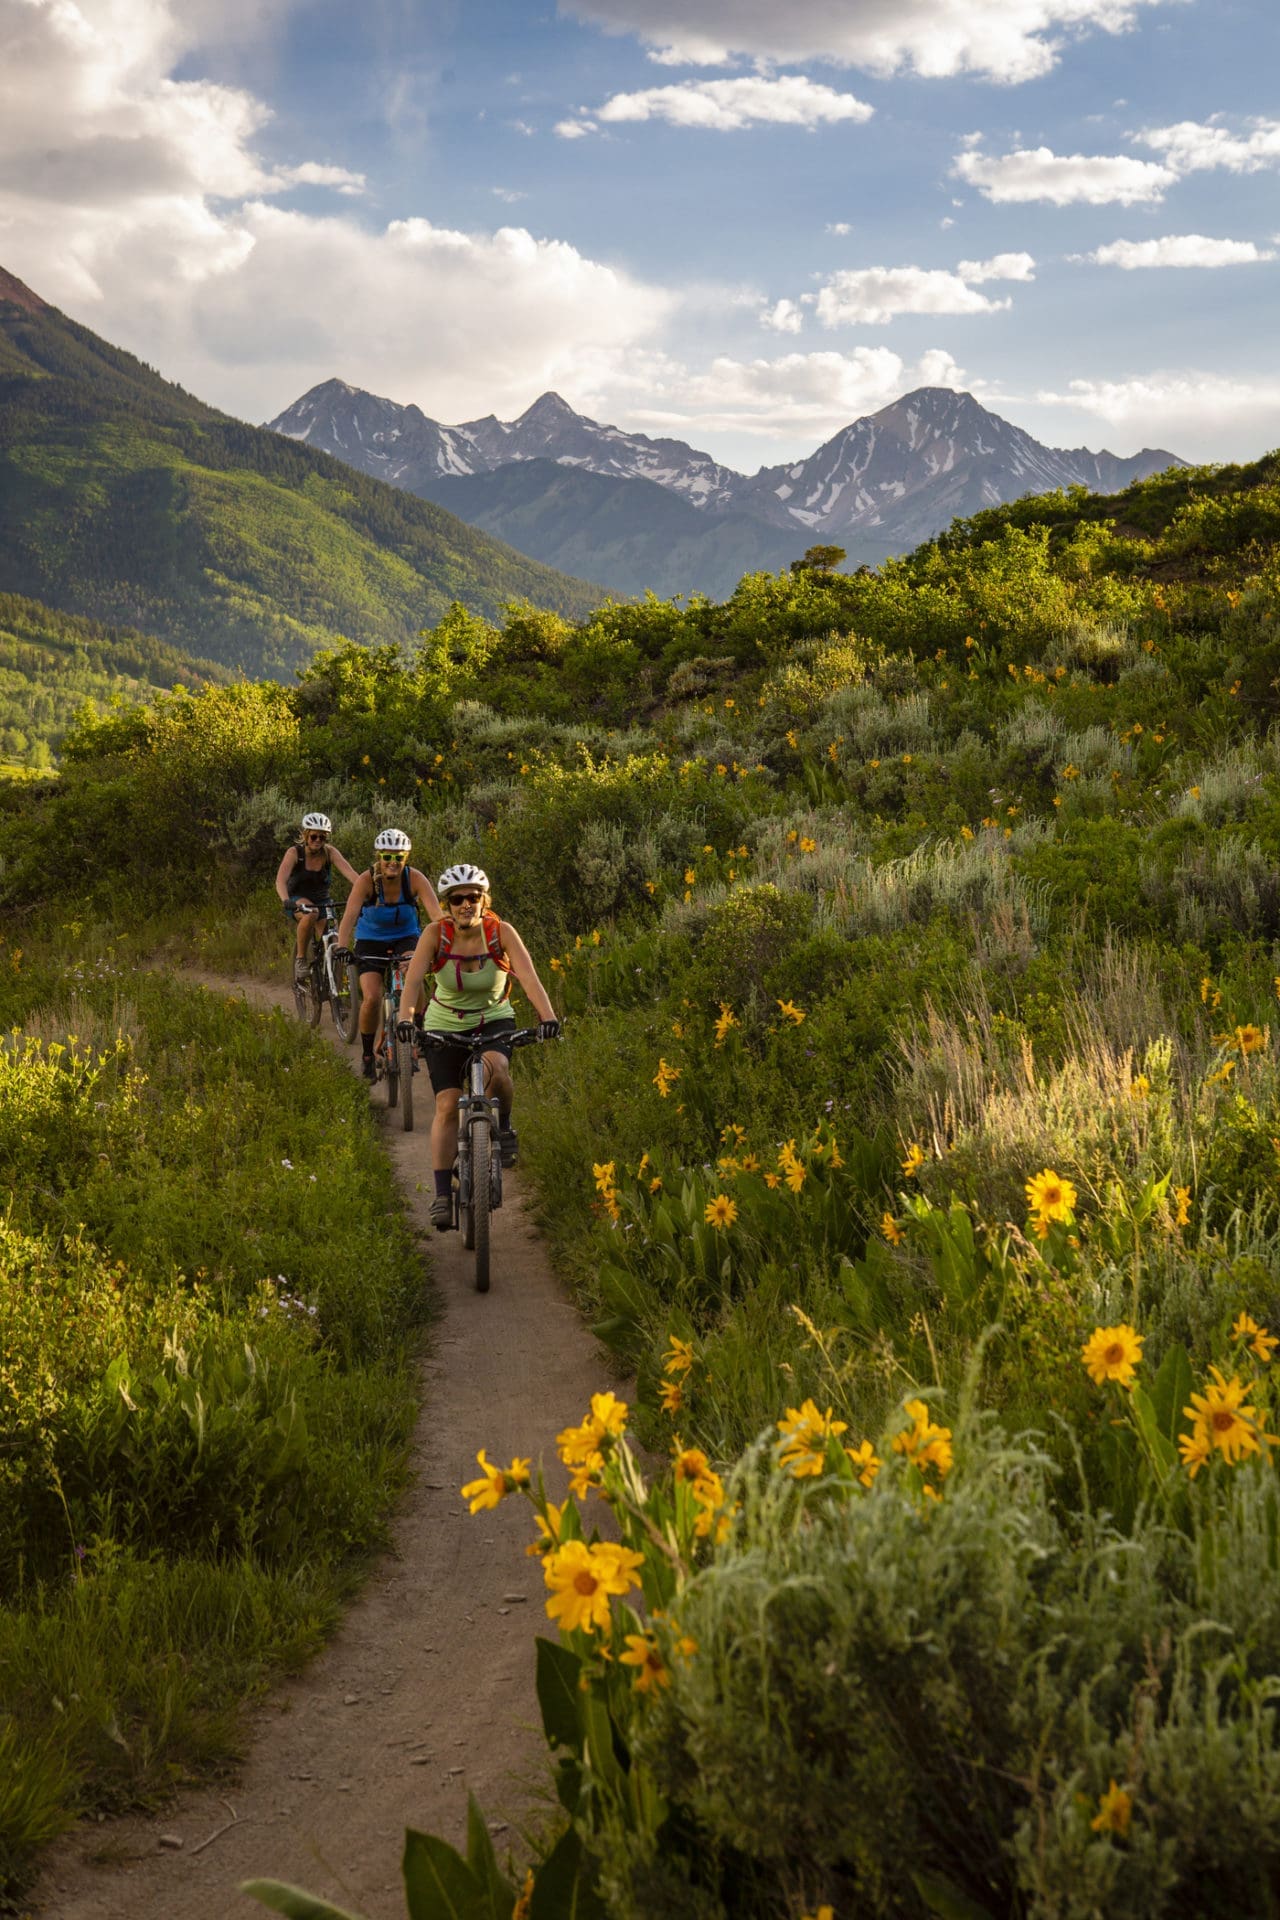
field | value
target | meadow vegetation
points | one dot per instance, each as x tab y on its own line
915	1146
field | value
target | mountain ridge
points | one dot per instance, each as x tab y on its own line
880	485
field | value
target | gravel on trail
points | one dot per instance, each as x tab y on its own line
426	1692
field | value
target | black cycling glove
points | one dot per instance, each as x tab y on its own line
548	1029
406	1031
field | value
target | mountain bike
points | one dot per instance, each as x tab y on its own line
393	1058
327	978
477	1168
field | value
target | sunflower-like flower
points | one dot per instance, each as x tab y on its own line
1222	1415
1263	1343
644	1654
805	1432
925	1444
865	1462
1115	1811
891	1230
1050	1197
913	1160
584	1578
678	1357
720	1212
1112	1353
495	1483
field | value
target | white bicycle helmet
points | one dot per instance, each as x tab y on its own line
316	823
392	840
463	875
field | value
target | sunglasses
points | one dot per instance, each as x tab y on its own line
317	836
394	859
465	899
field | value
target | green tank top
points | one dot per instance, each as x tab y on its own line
463	999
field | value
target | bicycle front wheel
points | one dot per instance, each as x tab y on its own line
314	993
481	1148
404	1057
340	1006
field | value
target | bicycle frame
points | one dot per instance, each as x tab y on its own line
477	1166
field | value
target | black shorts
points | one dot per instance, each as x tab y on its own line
379	950
446	1065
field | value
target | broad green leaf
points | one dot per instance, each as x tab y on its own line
1163	1450
564	1886
558	1695
1171	1391
438	1883
947	1901
292	1901
483	1862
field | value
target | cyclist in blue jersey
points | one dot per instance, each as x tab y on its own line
382	916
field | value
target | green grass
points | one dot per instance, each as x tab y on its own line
207	1388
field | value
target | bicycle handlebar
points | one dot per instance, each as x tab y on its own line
477	1043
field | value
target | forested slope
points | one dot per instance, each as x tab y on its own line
52	664
125	499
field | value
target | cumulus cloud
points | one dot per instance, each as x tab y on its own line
1187	410
784	317
574	129
1001	266
726	106
799	397
1194	146
1177	250
1006	40
141	204
868	296
1063	179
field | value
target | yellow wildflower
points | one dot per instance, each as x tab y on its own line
582	1580
891	1230
1222	1414
1112	1353
1115	1811
651	1669
914	1160
791	1012
865	1462
1263	1343
1182	1198
495	1483
1139	1087
805	1432
808	846
924	1444
725	1023
678	1357
720	1212
1050	1197
671	1396
548	1528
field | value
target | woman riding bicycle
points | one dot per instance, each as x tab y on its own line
304	882
472	955
382	914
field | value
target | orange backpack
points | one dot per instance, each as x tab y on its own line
492	927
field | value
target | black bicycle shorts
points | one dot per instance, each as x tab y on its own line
379	950
446	1065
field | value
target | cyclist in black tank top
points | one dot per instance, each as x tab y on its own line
304	883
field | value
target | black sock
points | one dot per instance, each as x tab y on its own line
444	1183
366	1041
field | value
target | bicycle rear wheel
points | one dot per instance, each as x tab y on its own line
481	1147
404	1056
387	1049
344	1019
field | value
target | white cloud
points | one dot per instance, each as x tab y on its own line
1063	179
1007	40
575	129
784	317
1176	409
1177	250
799	398
868	296
1194	146
838	227
726	106
510	196
140	204
1001	266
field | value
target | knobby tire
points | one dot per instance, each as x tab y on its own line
481	1148
404	1055
340	1002
314	994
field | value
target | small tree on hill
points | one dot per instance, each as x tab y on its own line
819	560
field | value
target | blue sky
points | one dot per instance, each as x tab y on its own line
737	221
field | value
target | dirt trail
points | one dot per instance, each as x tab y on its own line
426	1692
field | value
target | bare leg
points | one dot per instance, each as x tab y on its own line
444	1129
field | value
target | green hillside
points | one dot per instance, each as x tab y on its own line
912	1144
53	665
125	499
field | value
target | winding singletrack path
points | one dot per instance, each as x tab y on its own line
426	1692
